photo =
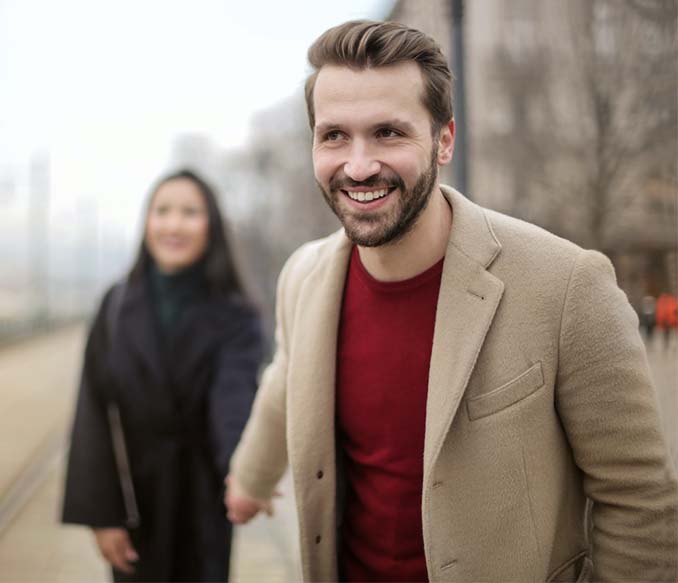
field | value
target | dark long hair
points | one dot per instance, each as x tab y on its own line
219	268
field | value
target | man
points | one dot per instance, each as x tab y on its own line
450	385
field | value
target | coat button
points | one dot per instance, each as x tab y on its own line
318	539
320	474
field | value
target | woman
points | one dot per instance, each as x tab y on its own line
168	381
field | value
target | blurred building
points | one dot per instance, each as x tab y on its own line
571	119
56	256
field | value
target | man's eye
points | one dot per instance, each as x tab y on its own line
387	133
333	136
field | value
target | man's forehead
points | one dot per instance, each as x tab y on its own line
406	73
393	91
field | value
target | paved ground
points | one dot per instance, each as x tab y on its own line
37	386
37	390
38	379
663	360
36	548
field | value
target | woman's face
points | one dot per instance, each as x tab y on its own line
177	225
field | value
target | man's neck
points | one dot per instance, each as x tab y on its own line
418	250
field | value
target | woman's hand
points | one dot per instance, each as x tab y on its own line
116	547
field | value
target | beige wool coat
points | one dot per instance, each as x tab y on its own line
539	399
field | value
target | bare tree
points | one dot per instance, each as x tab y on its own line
594	118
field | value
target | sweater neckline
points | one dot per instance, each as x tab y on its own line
426	276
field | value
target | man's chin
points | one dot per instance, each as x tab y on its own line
367	237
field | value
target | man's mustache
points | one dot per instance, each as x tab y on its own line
381	180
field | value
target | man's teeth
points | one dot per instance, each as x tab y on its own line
368	196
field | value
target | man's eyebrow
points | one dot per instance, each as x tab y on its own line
395	123
391	123
326	127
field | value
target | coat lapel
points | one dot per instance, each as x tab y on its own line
312	402
468	299
139	335
203	326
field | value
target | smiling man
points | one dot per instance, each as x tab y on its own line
453	388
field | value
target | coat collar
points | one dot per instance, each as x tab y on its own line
205	322
471	232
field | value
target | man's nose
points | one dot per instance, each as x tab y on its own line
361	163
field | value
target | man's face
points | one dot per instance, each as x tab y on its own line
373	153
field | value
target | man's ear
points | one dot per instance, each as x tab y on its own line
446	144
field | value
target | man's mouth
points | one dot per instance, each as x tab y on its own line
368	195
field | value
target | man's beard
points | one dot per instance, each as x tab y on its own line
399	221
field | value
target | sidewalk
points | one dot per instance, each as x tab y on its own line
37	549
38	383
37	391
663	361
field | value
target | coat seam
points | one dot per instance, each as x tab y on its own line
566	299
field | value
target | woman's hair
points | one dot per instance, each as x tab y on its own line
364	44
219	267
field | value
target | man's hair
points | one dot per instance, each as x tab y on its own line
361	44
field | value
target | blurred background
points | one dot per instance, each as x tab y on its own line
567	116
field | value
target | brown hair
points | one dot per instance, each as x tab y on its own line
361	44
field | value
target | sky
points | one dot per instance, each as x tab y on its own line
103	88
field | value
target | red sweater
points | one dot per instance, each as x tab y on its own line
384	350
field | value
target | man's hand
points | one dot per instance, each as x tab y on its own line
241	508
116	547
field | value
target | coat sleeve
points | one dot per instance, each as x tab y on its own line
608	406
260	459
235	382
92	494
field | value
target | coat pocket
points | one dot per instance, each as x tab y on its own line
506	395
578	569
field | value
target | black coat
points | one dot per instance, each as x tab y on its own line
183	405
